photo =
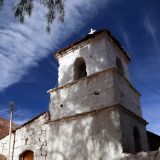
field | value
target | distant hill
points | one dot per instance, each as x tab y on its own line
4	127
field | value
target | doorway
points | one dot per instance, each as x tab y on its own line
27	155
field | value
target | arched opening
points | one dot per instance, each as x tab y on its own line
119	66
79	68
137	140
2	157
27	155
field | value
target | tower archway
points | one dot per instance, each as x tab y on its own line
79	68
119	66
137	139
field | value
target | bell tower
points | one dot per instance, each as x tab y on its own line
99	51
95	111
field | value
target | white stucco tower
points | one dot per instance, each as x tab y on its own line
95	112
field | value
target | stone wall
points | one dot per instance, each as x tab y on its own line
99	54
31	136
154	155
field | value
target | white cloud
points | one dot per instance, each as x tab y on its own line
151	29
20	115
22	46
125	36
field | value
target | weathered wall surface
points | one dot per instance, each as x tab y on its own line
128	122
154	155
94	92
32	136
97	135
93	136
126	94
99	54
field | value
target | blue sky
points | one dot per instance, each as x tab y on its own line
27	66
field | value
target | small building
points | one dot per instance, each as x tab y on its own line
94	113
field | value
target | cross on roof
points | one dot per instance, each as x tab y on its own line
92	31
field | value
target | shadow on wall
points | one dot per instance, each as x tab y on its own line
93	136
137	140
153	140
86	138
80	61
90	136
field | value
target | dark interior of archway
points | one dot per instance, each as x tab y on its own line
80	69
137	140
119	66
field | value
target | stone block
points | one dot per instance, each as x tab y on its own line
38	153
38	146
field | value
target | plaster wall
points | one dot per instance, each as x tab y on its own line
128	122
32	136
93	92
95	136
126	94
99	54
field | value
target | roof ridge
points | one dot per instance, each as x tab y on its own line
60	52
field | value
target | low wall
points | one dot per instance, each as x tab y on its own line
154	155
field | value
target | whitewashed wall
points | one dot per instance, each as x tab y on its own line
80	96
128	122
99	54
36	132
99	135
94	136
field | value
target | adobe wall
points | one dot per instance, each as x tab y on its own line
126	94
100	134
99	54
89	136
32	136
94	92
128	121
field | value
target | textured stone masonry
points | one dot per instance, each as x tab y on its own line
154	155
32	136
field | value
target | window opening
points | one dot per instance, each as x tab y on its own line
119	66
79	69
